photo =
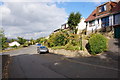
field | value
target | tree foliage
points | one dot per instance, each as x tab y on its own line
57	39
41	40
3	40
21	40
32	41
73	21
12	40
1	33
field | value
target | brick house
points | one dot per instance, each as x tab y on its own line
104	17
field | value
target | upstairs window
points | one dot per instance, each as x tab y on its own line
94	15
102	8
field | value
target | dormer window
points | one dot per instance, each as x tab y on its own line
94	15
102	8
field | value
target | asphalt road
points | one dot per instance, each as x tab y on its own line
26	63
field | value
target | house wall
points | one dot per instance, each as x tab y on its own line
98	26
95	27
14	43
81	26
105	23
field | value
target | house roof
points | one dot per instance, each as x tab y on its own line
91	17
116	9
93	14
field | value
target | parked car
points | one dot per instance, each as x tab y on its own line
39	44
42	49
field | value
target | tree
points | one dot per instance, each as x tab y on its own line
73	21
3	39
1	33
12	40
21	40
32	41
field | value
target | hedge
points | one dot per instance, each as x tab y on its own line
97	44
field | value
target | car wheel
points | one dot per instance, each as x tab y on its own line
47	51
39	52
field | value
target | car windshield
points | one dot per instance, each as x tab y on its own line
38	44
42	47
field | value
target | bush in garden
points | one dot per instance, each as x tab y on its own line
57	39
74	39
97	44
69	46
25	45
15	46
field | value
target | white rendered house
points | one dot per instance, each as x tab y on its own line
14	43
104	17
81	26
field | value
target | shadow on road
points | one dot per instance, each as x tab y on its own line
117	43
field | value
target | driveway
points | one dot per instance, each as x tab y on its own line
26	63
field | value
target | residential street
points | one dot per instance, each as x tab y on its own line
60	39
26	63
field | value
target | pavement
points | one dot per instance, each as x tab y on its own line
27	63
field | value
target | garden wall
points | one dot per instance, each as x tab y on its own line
69	53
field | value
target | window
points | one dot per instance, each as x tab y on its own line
105	7
94	15
105	21
91	23
117	19
102	8
98	21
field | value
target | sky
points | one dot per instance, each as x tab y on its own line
39	19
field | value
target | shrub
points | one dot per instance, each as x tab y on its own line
74	39
57	39
15	46
97	43
58	47
69	46
25	45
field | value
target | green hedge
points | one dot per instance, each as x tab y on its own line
97	44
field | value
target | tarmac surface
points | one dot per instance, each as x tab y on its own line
27	63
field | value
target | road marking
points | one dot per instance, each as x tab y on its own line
90	64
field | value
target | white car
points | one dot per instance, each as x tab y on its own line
42	49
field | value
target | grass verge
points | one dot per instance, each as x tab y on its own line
10	49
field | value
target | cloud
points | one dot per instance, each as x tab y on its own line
56	0
31	19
